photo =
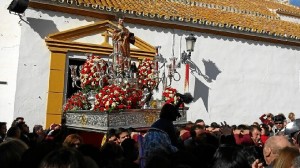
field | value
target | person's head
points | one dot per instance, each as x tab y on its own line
73	141
38	129
11	152
20	119
64	157
291	116
130	148
122	134
229	157
23	127
17	120
3	129
197	131
13	132
169	112
189	125
111	135
272	147
279	121
242	129
265	129
255	123
110	154
255	132
200	122
270	116
286	157
214	125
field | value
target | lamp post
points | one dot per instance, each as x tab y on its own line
190	45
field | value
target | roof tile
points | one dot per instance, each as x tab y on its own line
244	15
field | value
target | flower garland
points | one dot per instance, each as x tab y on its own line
110	97
147	74
169	95
78	101
90	73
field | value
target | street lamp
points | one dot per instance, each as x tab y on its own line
18	6
190	45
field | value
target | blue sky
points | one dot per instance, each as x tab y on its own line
295	2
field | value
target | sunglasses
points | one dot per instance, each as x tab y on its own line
279	123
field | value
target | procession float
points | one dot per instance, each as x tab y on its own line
117	91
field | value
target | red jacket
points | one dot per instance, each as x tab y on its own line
264	138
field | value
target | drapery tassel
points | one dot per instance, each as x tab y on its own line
187	78
103	140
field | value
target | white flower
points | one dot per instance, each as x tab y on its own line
114	104
107	104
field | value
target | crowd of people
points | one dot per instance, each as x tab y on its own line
268	143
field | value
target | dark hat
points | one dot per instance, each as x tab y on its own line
279	118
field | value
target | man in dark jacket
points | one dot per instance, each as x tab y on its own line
162	134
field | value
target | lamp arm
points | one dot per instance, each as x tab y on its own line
162	65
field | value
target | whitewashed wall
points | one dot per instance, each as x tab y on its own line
10	32
253	78
26	61
289	18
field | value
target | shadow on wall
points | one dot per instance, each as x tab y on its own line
211	73
42	27
211	70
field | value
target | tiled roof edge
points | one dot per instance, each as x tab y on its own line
175	19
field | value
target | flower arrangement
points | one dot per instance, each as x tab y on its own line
169	95
147	75
92	72
133	98
111	97
78	101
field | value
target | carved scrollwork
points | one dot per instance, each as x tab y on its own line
104	121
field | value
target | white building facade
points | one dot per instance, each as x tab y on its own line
242	78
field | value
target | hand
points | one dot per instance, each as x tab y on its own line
225	129
256	164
